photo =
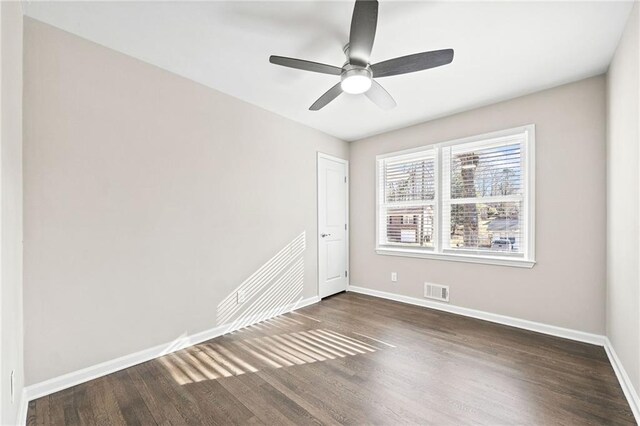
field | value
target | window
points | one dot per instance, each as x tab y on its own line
408	199
466	200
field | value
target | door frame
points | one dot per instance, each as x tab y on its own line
321	155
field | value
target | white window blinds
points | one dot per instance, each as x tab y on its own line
407	188
471	198
483	197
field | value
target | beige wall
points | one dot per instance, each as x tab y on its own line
11	347
623	209
148	200
566	287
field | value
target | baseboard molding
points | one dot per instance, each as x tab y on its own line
22	410
65	381
552	330
625	382
68	380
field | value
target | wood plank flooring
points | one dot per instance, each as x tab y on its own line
355	359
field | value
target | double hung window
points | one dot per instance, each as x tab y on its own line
468	200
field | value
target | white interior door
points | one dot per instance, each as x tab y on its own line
333	219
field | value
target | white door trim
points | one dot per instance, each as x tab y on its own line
348	230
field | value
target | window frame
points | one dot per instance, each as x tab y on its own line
438	252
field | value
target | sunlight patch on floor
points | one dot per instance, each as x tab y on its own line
212	361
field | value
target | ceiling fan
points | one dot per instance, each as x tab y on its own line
357	74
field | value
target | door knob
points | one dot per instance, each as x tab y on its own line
324	235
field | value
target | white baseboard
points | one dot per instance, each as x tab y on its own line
22	410
566	333
68	380
623	378
65	381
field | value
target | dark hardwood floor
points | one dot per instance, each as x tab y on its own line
354	359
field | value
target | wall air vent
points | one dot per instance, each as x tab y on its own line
436	291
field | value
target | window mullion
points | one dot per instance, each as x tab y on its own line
415	203
445	196
438	198
488	199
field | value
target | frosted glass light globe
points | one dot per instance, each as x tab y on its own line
356	80
356	84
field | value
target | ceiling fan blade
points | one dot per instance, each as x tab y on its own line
412	63
329	95
380	97
363	31
305	65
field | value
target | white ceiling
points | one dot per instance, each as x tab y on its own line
502	50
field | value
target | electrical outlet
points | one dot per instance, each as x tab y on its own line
13	373
394	277
242	295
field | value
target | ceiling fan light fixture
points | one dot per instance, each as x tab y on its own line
357	74
356	81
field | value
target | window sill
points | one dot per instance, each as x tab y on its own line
487	260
